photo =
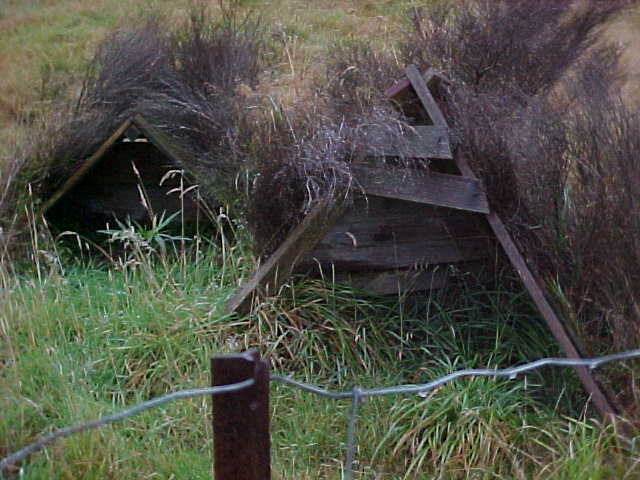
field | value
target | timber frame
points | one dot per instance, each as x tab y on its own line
458	191
131	129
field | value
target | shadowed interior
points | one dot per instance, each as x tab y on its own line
114	189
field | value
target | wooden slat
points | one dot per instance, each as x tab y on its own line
275	271
410	254
379	233
420	87
432	188
401	282
550	317
85	167
417	142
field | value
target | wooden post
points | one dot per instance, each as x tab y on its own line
241	443
278	267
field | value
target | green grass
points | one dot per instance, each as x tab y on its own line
88	339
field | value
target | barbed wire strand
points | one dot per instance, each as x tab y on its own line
423	388
64	432
511	373
356	395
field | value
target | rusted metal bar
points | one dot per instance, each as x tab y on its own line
241	443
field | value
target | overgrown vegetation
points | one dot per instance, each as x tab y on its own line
554	142
535	101
185	80
83	341
536	109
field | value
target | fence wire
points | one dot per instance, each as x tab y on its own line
141	407
356	395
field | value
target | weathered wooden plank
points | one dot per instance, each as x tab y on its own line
157	138
555	325
413	254
425	141
401	282
380	234
432	188
275	271
420	87
85	167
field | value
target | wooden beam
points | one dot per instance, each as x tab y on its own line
420	87
558	329
86	166
400	282
431	77
278	267
157	139
425	141
432	188
378	233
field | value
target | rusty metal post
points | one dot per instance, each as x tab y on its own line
241	442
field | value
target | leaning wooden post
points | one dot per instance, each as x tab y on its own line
241	443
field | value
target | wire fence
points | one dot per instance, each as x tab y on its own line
356	395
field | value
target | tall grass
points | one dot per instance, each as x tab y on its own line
88	340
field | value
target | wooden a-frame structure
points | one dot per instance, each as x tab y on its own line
460	190
104	187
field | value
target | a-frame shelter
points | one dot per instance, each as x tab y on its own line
315	238
132	175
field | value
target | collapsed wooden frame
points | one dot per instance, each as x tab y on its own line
462	191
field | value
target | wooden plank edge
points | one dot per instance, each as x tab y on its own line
412	144
404	282
399	86
86	166
466	183
156	139
274	272
419	85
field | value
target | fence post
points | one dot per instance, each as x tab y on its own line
241	442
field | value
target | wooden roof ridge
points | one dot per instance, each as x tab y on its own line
431	76
136	120
158	138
